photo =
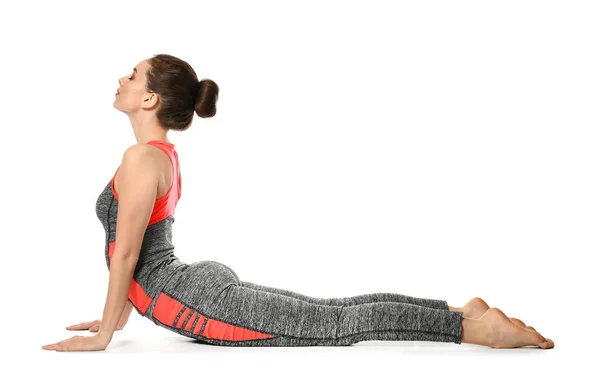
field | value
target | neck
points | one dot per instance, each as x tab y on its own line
147	128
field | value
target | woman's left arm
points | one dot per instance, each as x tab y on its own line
139	180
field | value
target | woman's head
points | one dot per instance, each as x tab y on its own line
169	86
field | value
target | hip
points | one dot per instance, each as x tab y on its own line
197	285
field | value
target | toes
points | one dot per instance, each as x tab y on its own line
547	344
531	328
517	322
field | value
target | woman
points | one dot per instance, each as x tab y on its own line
206	300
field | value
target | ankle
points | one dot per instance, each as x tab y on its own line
475	332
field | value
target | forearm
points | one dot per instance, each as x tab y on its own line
122	267
125	315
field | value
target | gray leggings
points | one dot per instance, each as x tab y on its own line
206	301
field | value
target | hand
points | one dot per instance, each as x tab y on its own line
75	343
92	326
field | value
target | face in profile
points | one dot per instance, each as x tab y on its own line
131	94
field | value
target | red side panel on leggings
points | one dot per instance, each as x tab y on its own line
196	330
183	316
223	331
190	322
166	310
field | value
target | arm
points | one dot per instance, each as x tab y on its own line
94	325
138	189
125	315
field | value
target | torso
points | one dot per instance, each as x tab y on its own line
165	167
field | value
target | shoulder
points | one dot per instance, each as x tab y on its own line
137	150
140	156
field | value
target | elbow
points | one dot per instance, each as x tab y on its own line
125	258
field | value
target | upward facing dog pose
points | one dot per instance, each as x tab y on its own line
206	300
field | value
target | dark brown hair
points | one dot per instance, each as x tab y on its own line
180	93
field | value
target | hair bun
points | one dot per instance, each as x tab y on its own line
206	98
180	92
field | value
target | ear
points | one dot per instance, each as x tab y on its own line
150	100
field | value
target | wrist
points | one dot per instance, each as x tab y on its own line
104	336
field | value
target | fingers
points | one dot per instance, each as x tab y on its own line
78	343
61	345
80	326
57	347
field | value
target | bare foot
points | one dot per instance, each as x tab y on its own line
476	307
529	328
517	322
521	324
502	333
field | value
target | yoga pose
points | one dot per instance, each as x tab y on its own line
206	300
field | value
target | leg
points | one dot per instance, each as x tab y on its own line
349	301
355	300
299	323
207	301
283	320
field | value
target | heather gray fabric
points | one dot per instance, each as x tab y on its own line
156	262
213	290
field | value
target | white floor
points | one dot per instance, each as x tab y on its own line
145	349
441	150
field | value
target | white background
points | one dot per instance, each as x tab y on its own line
439	149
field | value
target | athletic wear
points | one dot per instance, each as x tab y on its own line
206	300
